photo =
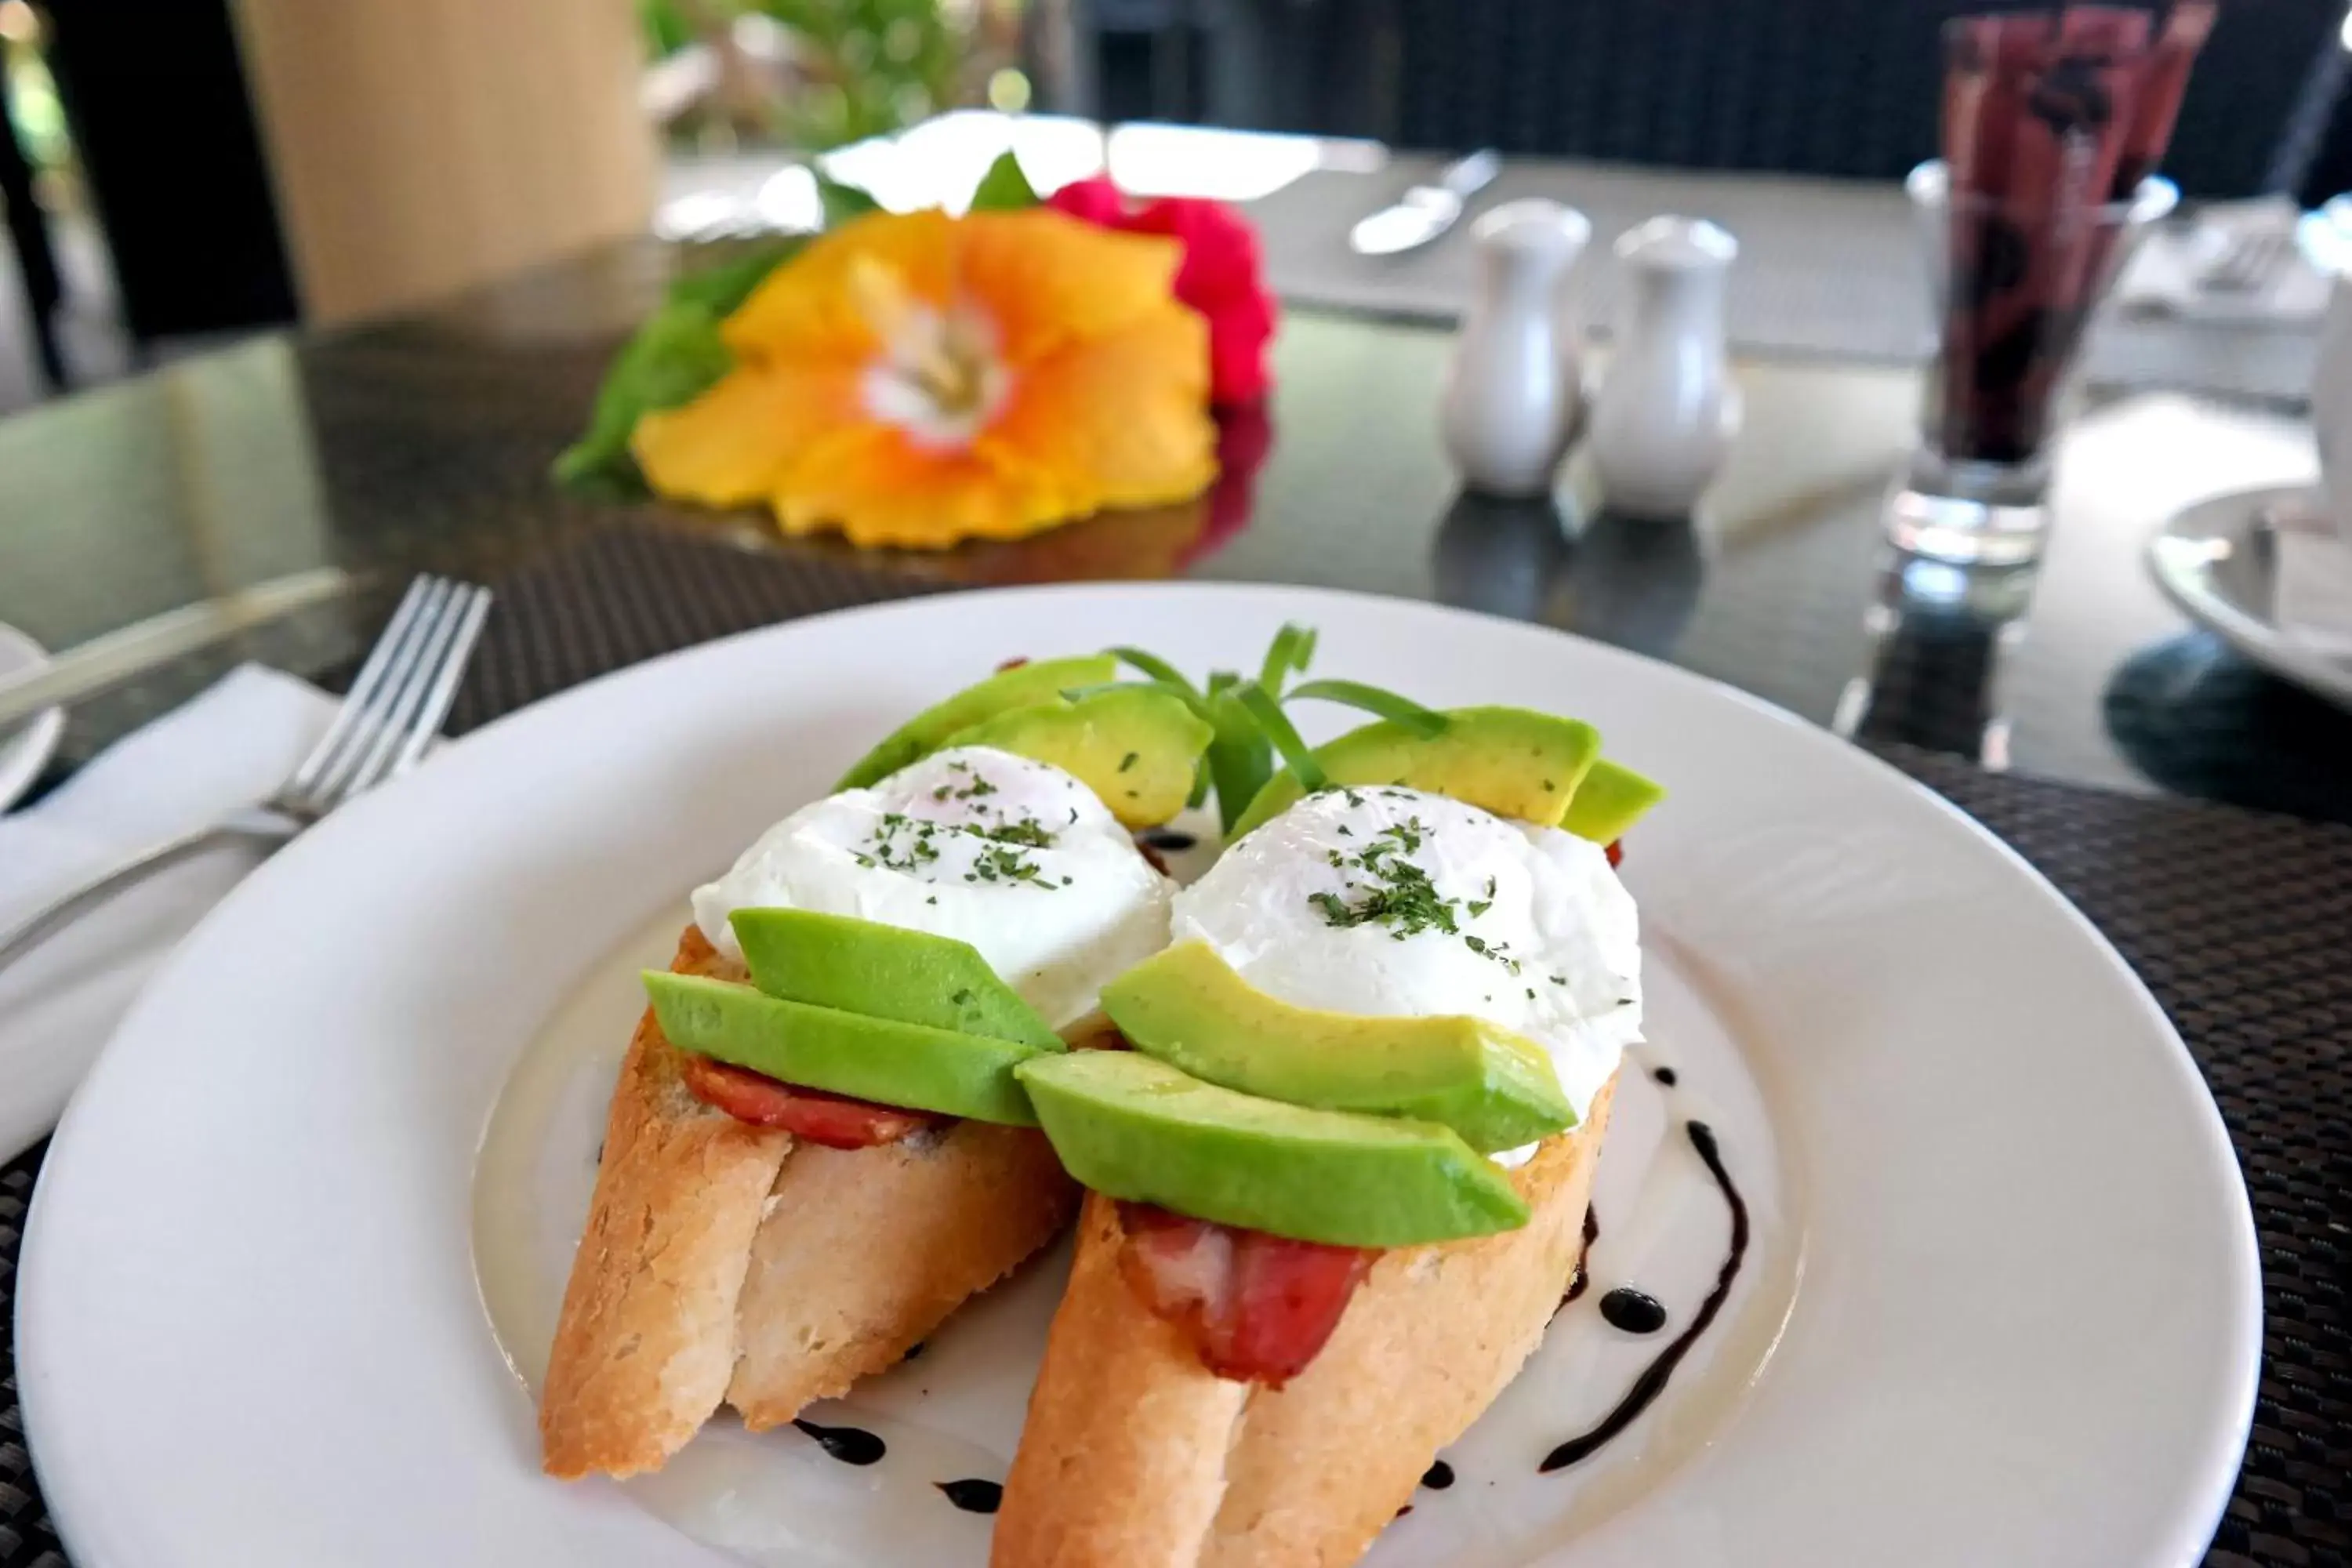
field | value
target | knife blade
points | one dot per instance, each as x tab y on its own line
1425	212
107	661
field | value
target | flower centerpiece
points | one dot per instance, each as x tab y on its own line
917	379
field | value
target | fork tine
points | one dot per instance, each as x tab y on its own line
363	688
474	609
369	763
332	785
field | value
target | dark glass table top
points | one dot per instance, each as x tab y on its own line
422	443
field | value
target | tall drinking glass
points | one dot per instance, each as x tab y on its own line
2014	291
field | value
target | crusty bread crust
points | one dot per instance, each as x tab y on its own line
1321	1465
866	1251
646	1341
1122	1460
723	1262
1130	1456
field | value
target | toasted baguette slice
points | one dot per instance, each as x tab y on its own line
1136	1457
723	1262
871	1249
646	1341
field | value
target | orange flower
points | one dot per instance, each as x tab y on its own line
919	380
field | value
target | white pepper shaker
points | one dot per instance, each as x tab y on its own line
1512	396
1668	413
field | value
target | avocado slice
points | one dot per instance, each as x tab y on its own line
1611	799
1188	1007
1135	746
885	972
1513	761
1136	1128
1041	680
880	1060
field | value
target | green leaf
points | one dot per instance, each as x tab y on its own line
1200	783
1240	759
1292	648
674	358
722	288
1005	188
1152	664
842	202
1192	699
1375	701
1277	727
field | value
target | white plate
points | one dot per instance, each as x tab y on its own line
2001	1306
2215	563
24	754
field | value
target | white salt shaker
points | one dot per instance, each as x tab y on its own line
1512	393
1668	413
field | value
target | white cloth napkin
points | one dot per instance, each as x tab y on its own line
2311	589
2167	271
231	747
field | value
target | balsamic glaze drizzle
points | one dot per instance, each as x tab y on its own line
1438	1477
1636	1311
850	1445
1653	1381
974	1496
1578	1280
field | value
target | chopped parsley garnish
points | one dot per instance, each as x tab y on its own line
1397	893
908	844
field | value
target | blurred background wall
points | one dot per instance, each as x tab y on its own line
419	146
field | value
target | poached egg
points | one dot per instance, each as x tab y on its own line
1016	857
1394	902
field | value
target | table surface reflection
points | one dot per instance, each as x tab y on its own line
422	443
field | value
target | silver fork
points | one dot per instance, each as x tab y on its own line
395	708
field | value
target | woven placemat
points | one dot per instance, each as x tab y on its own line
2240	921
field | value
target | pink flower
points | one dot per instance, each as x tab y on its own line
1221	278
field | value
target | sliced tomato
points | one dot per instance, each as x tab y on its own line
834	1120
1290	1296
1102	1035
1257	1308
1616	852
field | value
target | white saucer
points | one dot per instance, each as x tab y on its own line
26	753
2215	560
